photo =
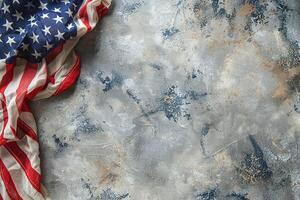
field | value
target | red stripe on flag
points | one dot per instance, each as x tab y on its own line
34	92
25	107
27	130
28	75
70	78
33	176
7	78
5	117
101	10
83	15
17	135
8	182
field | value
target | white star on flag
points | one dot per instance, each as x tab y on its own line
25	47
18	15
21	30
57	10
31	19
59	35
34	38
45	15
8	25
48	46
29	5
7	55
10	41
43	6
36	54
33	24
5	8
58	19
69	12
70	26
46	30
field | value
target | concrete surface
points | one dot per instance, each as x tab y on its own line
180	99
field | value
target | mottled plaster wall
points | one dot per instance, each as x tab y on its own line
180	99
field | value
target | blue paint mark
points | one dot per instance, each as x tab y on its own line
107	194
187	116
282	11
131	8
198	6
237	196
254	167
215	5
221	13
196	95
297	108
156	66
169	32
293	57
83	83
110	82
86	185
215	194
296	86
205	129
195	74
179	2
171	103
208	195
132	96
60	146
203	22
83	124
257	16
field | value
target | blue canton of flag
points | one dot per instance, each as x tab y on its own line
30	29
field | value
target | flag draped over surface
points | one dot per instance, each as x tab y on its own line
37	61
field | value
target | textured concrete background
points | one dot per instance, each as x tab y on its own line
180	99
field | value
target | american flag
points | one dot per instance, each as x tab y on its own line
37	61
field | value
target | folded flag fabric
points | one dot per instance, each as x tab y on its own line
37	61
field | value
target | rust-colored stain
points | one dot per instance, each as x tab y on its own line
281	92
283	77
108	174
246	10
219	44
